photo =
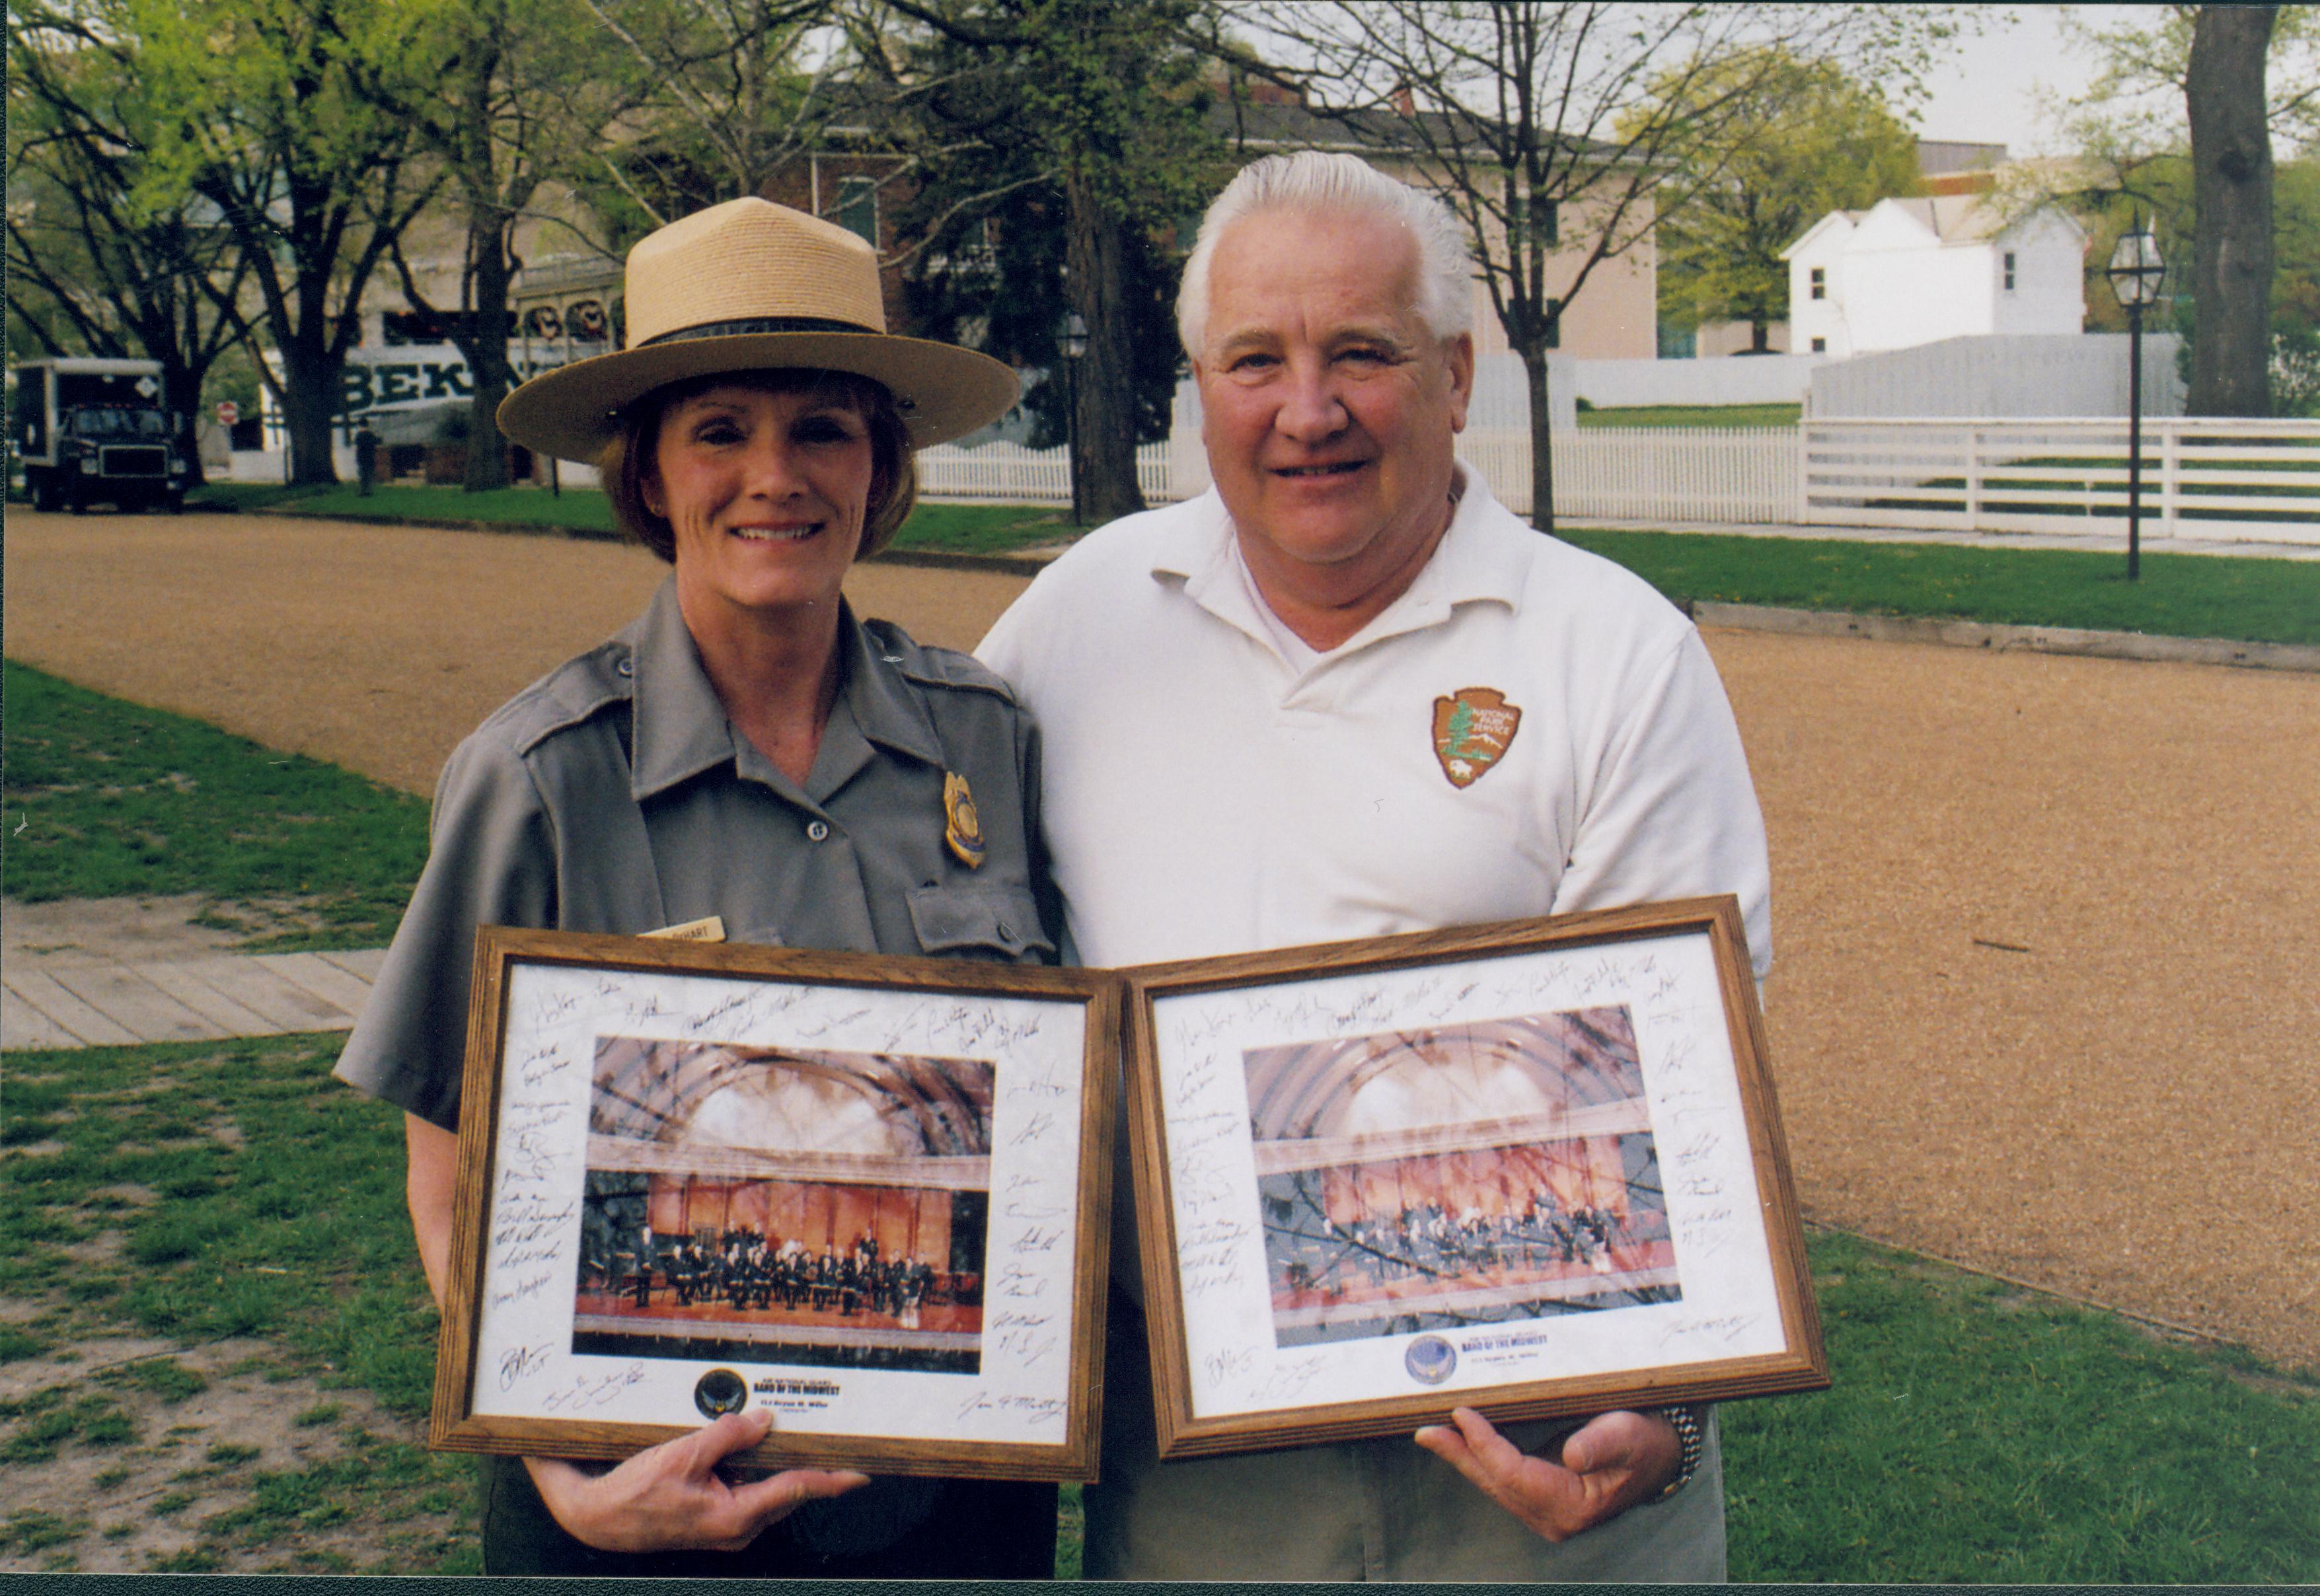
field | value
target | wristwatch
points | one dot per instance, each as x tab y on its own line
1692	1433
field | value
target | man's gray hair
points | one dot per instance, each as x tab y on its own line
1343	185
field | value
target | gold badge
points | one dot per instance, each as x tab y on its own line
963	828
1472	731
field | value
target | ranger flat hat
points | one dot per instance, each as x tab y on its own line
750	286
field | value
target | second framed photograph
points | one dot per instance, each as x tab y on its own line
1535	1168
867	1193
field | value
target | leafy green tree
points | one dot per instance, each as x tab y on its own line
1100	106
1808	140
90	269
311	178
2181	117
499	87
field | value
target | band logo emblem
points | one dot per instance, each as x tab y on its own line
1472	732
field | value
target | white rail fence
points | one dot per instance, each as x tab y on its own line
2203	477
1685	474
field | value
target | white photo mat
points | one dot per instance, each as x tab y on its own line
524	1364
1729	1304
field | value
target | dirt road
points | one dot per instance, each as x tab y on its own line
2047	961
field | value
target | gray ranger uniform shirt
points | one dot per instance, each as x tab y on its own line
613	795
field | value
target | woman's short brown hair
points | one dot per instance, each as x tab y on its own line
628	458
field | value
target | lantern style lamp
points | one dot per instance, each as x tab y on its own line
2136	273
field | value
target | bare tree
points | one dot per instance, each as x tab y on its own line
1561	134
715	98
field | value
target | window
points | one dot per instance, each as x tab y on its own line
1820	282
857	208
2010	271
1821	346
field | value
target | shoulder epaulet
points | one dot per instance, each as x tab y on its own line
576	690
934	667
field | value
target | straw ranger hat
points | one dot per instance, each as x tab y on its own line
750	286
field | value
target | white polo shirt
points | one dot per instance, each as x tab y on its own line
1205	796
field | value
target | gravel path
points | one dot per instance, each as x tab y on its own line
2044	993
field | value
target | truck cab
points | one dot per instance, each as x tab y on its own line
93	431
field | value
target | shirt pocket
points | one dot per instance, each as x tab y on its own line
980	923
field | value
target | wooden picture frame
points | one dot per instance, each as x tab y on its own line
661	1142
1378	1180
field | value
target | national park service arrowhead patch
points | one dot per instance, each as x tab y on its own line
1472	731
962	827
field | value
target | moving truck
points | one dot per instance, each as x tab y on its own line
97	431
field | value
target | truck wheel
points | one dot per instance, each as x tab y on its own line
77	500
174	501
44	491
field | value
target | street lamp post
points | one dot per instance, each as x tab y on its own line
1074	343
2136	273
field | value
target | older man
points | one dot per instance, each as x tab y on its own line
1242	697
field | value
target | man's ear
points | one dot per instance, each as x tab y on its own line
1460	353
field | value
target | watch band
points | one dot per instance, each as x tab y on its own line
1691	1432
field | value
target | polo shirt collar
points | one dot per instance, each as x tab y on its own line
681	729
1472	563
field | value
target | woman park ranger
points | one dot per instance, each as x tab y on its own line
748	750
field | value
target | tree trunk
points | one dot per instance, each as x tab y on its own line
2231	188
484	344
181	392
1760	337
1103	395
310	401
1541	447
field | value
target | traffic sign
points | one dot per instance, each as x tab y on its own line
228	412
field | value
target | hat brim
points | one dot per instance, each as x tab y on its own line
944	392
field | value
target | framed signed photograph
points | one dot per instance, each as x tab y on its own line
1532	1169
866	1192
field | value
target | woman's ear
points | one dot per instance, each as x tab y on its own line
648	489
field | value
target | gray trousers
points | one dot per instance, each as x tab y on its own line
1380	1510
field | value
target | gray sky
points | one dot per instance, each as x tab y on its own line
1984	92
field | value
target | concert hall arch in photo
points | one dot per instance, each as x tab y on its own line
781	1206
1500	1170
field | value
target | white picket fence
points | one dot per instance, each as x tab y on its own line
2205	477
1679	474
1009	473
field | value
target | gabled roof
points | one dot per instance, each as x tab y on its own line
1949	220
1848	219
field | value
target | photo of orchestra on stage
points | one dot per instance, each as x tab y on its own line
784	1206
1476	1173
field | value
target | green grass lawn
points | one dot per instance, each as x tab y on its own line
104	798
1975	1431
1979	1433
1694	415
2244	598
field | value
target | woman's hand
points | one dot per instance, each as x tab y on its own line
672	1498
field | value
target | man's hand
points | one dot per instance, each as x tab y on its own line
672	1498
1613	1462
